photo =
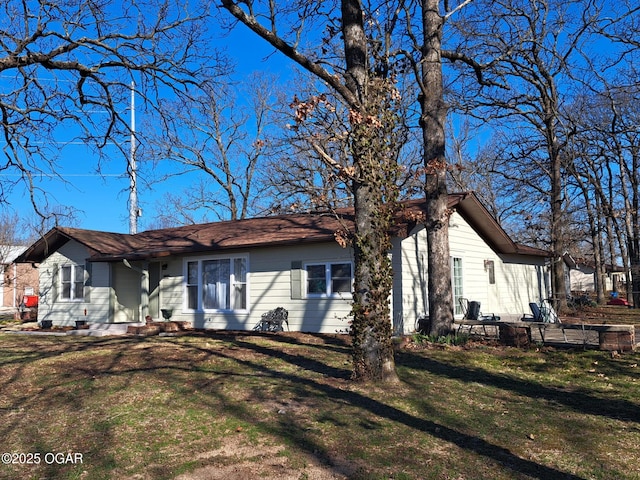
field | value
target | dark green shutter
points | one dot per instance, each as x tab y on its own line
297	279
55	280
87	282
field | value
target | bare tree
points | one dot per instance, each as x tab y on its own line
607	166
425	28
219	139
14	236
12	233
622	26
372	173
537	51
298	176
68	67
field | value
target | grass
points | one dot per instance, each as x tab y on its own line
6	318
606	314
282	406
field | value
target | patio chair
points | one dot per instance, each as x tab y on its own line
542	313
471	311
549	315
536	314
273	320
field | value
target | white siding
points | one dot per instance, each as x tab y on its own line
269	287
518	279
582	279
99	308
410	281
94	308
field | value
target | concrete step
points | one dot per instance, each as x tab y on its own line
104	329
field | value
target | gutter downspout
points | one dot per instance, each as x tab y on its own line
15	285
144	287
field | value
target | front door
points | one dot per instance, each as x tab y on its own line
126	290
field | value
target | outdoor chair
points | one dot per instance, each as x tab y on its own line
273	320
471	311
542	313
549	315
536	314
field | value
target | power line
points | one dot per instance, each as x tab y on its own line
62	143
55	175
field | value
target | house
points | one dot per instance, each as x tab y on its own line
225	275
18	279
581	275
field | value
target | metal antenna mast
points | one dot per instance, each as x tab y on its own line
134	211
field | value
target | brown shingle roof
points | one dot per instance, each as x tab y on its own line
277	230
253	232
265	231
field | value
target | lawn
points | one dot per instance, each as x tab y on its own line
606	314
243	405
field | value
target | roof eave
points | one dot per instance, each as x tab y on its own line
486	225
43	247
165	253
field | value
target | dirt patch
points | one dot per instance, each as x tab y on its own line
237	461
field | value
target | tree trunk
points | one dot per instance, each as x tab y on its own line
595	232
432	122
598	251
373	175
634	259
634	250
371	325
558	247
601	273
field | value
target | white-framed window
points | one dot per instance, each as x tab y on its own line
456	278
216	284
72	282
329	279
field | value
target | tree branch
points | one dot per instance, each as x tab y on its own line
281	45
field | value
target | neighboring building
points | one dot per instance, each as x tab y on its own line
225	275
18	279
581	275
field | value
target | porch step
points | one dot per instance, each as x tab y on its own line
104	329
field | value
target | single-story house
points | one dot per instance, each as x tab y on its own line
225	275
18	279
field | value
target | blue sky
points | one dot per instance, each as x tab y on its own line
102	201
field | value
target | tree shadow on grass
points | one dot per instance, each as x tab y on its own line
464	441
262	360
578	401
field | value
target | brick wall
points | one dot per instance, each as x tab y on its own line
16	280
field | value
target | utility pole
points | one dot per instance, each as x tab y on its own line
134	211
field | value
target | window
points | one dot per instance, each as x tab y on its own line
72	282
490	267
329	279
216	284
456	266
192	285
